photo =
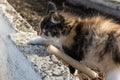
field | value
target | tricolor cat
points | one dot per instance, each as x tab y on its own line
94	41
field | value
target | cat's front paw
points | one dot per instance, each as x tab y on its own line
36	41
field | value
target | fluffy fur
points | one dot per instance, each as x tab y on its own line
94	41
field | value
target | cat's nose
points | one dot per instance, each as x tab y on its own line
40	31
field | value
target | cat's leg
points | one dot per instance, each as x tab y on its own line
37	41
43	41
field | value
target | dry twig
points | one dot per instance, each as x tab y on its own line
52	49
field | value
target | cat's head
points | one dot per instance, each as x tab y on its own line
52	24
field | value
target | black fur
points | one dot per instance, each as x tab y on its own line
75	51
112	48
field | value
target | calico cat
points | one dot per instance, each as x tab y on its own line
94	41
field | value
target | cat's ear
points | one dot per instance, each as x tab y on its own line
51	7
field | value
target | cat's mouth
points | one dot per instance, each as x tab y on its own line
41	33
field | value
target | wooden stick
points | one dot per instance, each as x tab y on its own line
72	62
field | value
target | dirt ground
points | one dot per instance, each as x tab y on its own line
33	10
43	63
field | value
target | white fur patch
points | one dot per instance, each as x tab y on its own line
37	40
114	75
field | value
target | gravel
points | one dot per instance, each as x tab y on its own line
47	65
